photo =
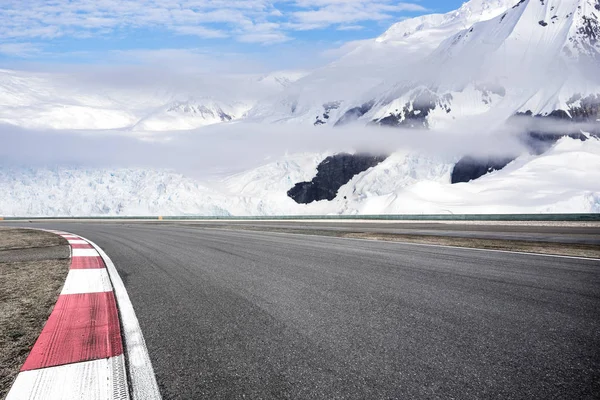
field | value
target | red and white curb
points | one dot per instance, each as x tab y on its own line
80	352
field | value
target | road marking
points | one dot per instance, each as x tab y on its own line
416	244
97	379
69	236
77	241
475	249
141	374
497	251
87	280
81	245
85	253
87	262
82	327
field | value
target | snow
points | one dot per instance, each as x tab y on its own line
191	114
96	192
537	67
367	71
566	179
60	101
430	30
479	64
485	43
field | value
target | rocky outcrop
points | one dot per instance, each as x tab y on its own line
355	113
536	138
334	172
470	168
327	108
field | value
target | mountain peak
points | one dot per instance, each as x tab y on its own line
569	26
484	9
433	26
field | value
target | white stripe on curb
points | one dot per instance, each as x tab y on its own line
87	281
85	253
76	241
97	379
142	381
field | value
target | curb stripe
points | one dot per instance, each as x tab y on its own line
87	262
82	327
87	281
80	245
98	379
84	253
76	241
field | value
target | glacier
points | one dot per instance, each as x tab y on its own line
565	179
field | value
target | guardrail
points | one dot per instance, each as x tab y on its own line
406	217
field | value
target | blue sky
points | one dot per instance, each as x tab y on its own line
263	34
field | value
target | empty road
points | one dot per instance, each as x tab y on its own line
242	314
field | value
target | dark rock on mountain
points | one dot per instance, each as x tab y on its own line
470	168
327	107
414	114
519	3
355	113
536	138
334	172
588	109
540	142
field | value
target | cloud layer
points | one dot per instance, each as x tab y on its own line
245	21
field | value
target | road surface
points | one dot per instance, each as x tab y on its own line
242	314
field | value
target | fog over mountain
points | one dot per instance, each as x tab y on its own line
494	107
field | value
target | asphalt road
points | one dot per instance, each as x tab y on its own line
239	314
554	232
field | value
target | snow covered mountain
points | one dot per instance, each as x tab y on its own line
489	57
62	101
326	94
190	114
529	66
562	180
496	57
537	57
432	29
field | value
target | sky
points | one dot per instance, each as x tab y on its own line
260	34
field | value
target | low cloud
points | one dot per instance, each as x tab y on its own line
230	148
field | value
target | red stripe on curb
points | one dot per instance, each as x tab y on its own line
81	246
82	327
87	262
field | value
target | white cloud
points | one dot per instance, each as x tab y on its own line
180	61
329	12
350	27
256	21
18	49
200	31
